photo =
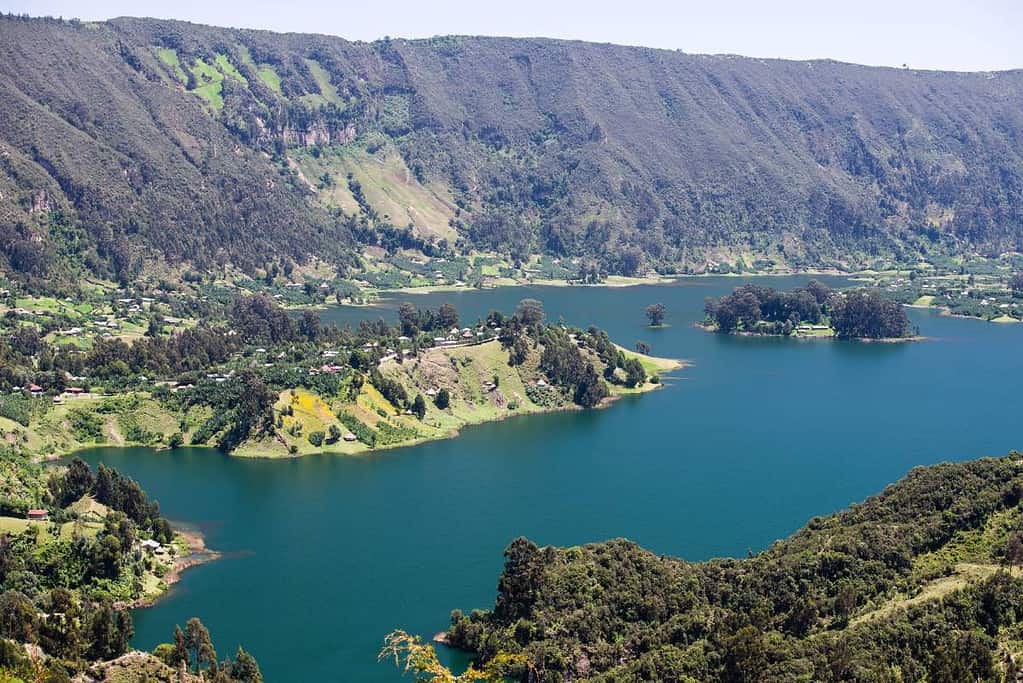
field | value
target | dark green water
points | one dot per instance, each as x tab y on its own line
326	554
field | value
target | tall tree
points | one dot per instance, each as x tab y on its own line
197	640
180	656
419	407
244	668
655	314
531	312
447	317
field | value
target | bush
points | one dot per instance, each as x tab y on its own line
85	425
316	438
443	399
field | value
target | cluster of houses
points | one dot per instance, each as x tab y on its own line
459	337
36	391
153	547
106	324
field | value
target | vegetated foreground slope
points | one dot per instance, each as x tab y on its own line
135	137
920	582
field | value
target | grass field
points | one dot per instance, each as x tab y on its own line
67	530
328	93
387	183
210	83
228	69
116	419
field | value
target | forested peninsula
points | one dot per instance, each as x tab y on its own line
920	582
254	380
78	548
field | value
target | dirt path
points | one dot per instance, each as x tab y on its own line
965	574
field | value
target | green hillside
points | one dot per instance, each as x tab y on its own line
918	583
137	142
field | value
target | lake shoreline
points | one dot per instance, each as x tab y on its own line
613	282
713	329
661	364
572	478
947	312
197	554
269	449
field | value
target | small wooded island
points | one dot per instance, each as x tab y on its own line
814	311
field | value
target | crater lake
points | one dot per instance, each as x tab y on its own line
324	555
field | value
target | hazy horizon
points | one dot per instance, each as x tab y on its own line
938	35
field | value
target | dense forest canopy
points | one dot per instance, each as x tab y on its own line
830	603
134	138
857	314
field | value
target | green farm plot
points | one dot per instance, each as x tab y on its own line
16	525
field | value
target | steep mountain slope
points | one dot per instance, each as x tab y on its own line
198	143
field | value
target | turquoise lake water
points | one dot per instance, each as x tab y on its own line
326	554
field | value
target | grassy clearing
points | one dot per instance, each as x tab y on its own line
89	508
66	531
210	83
964	575
465	372
328	93
228	69
390	188
87	421
270	79
977	546
652	364
170	57
267	74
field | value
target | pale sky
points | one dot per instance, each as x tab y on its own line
925	34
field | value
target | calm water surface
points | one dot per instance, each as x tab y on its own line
326	554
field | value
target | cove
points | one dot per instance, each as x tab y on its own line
326	554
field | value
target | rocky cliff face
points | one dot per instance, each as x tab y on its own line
318	134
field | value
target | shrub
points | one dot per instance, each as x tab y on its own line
443	399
